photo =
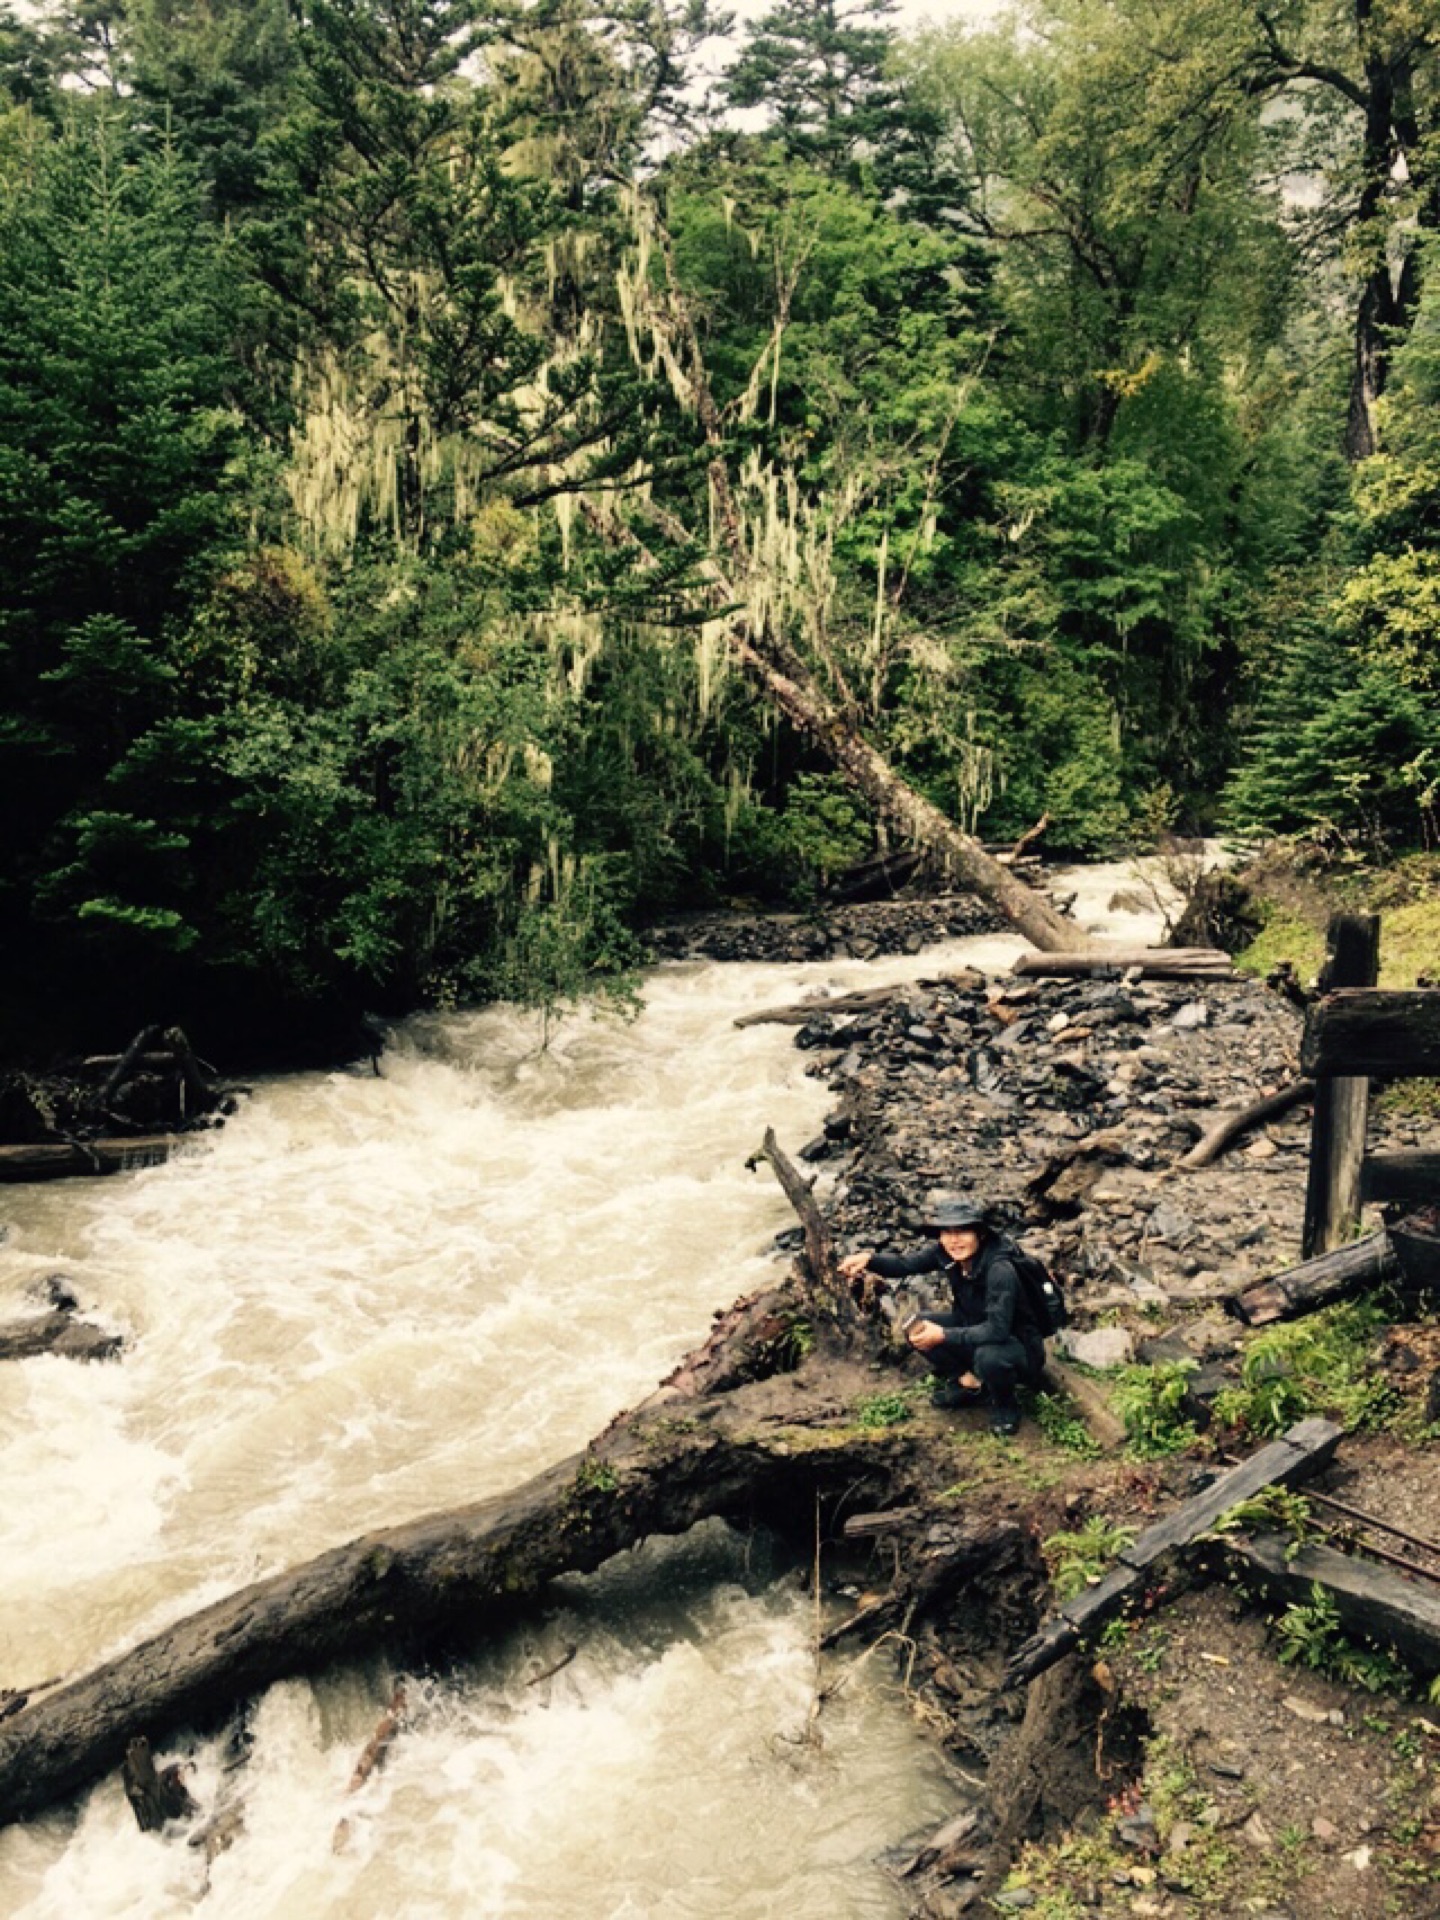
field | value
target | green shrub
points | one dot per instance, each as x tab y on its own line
1318	1365
1150	1400
1077	1560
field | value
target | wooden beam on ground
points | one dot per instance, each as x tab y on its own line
1159	963
1392	1036
1300	1452
1342	1102
1318	1283
53	1160
1373	1603
1106	1426
1409	1179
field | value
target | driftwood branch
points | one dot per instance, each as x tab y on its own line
1230	1126
381	1741
824	1274
155	1796
125	1066
1028	839
796	1014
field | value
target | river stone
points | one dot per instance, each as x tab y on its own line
1169	1224
1193	1014
1100	1347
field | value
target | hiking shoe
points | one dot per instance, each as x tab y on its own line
951	1394
1005	1420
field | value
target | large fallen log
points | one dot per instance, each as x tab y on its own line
406	1587
470	1568
1300	1452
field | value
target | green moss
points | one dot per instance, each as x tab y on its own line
1286	935
1410	940
595	1476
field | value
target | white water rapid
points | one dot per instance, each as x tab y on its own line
367	1298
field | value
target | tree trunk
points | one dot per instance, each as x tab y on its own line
468	1569
908	813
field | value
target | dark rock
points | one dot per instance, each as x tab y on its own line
818	1031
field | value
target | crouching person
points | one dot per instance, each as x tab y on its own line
991	1342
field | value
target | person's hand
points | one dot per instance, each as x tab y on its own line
854	1264
925	1335
969	1381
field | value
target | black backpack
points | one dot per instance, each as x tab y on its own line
1044	1296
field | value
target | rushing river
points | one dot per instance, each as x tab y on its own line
370	1297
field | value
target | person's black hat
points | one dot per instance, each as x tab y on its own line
954	1212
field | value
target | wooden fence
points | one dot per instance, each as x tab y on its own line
1354	1033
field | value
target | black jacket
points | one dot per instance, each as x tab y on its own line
989	1300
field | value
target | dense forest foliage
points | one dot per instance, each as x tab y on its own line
439	437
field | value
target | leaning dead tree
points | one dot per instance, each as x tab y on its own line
761	575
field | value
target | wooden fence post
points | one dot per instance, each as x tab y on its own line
1342	1105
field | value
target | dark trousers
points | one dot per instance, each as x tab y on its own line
1000	1366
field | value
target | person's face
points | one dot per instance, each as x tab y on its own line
960	1243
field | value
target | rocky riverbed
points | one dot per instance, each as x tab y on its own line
828	931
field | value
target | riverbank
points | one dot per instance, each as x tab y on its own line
931	1095
1226	1778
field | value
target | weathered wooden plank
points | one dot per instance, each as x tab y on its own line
55	1160
1373	1603
1408	1178
1417	1250
1318	1283
1100	1600
1342	1102
1304	1450
1364	1031
1105	1425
